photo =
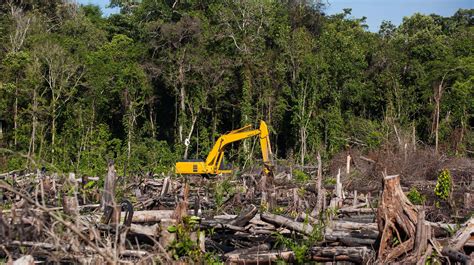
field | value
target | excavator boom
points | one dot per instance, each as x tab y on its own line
213	163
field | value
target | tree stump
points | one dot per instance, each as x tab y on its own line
397	220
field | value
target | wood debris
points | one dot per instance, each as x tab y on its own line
348	226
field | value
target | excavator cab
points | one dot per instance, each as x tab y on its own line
214	164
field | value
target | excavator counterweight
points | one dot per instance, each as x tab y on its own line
213	164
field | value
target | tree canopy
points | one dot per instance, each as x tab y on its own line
78	89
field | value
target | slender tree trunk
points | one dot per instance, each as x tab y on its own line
246	103
129	145
194	118
31	149
302	126
152	121
182	101
53	131
42	134
438	103
303	144
182	96
214	126
15	116
131	121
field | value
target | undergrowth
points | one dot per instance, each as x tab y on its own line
301	246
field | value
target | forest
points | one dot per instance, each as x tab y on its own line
78	89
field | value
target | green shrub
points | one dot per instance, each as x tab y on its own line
222	190
301	246
330	181
444	185
415	196
187	248
300	176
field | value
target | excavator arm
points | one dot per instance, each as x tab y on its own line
212	164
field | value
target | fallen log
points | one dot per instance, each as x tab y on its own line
25	260
456	256
68	248
245	216
343	225
458	241
151	216
258	249
319	254
148	230
282	221
463	235
205	224
355	210
351	238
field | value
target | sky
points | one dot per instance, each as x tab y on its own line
375	10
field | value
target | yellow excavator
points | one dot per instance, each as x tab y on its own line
213	164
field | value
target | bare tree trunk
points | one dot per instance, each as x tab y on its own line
53	130
319	202
188	139
17	39
182	109
348	165
152	121
437	99
303	127
182	102
132	116
304	137
15	116
31	149
214	126
108	196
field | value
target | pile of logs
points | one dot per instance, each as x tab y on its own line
333	225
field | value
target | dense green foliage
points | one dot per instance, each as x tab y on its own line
77	89
444	185
416	197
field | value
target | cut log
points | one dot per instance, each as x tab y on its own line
350	239
356	209
205	224
148	230
456	256
321	254
41	246
396	219
463	235
151	216
245	216
281	221
347	225
166	187
25	260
